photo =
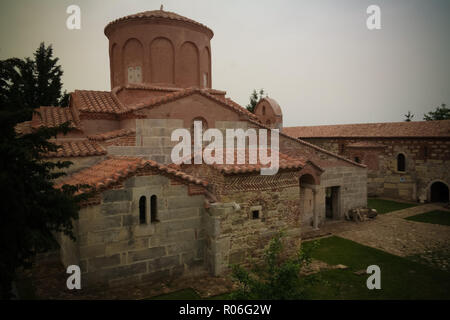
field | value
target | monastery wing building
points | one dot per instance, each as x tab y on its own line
405	160
150	219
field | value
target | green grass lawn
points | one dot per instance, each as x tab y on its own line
385	206
435	217
400	278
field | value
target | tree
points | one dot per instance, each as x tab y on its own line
33	210
409	116
31	83
441	113
278	277
254	99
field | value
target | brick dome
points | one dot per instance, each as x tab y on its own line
160	48
269	113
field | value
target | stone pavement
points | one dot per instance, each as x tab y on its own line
390	232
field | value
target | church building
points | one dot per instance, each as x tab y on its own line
148	218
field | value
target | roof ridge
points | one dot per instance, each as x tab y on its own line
113	169
311	145
158	14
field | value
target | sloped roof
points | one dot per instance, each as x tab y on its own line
77	148
114	169
111	134
275	106
159	100
308	144
285	162
97	102
159	14
438	128
53	117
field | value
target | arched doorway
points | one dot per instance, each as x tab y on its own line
308	199
439	192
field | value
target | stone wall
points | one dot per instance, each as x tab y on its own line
427	160
234	235
152	140
113	247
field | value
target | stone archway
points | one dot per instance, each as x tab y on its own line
439	192
308	192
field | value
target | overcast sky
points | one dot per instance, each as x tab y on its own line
316	58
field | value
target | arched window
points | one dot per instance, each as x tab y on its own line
153	209
401	163
143	210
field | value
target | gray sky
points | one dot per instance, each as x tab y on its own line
316	58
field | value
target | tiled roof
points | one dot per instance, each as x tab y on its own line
23	127
112	170
155	101
53	116
112	134
97	102
438	128
158	14
77	148
285	162
275	106
312	146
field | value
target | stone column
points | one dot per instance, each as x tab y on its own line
315	212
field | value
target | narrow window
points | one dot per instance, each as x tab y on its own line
357	160
401	162
205	79
142	210
341	148
255	214
134	74
264	110
153	209
425	152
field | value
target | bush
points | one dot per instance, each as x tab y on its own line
278	277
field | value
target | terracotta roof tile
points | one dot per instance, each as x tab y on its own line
77	148
158	14
112	134
23	127
285	162
53	116
112	170
310	145
97	102
439	128
159	100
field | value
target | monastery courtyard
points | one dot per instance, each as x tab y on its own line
422	244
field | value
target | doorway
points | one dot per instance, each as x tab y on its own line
439	192
332	202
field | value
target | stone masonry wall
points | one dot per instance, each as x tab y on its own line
114	248
427	160
233	235
152	140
